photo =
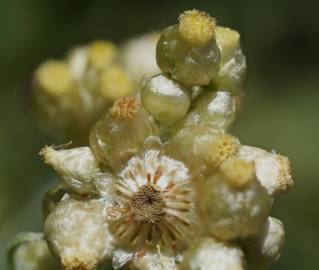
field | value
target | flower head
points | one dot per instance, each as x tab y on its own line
171	191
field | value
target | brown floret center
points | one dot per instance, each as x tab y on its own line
125	108
147	205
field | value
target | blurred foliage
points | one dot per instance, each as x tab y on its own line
280	40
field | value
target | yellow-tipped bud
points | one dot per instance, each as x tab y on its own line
196	27
221	148
101	54
115	83
125	108
227	41
237	172
54	77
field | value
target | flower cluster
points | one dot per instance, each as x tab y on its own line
163	185
69	95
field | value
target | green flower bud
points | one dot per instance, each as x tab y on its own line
206	146
233	69
165	99
233	203
188	51
29	251
121	132
216	109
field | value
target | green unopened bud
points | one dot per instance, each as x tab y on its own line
121	132
166	99
206	146
29	251
232	74
188	51
233	203
216	109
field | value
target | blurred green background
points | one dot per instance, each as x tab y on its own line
280	40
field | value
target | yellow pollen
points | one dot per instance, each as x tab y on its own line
285	178
237	172
54	78
147	205
197	27
125	108
228	36
222	147
101	54
115	83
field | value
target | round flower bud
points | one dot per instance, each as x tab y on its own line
78	234
121	132
29	251
53	78
206	146
165	99
233	203
264	249
101	54
272	170
140	50
233	69
228	41
210	254
77	167
152	260
216	109
115	83
188	51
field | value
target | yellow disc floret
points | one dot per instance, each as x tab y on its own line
237	172
125	108
196	27
115	83
54	77
101	54
221	148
